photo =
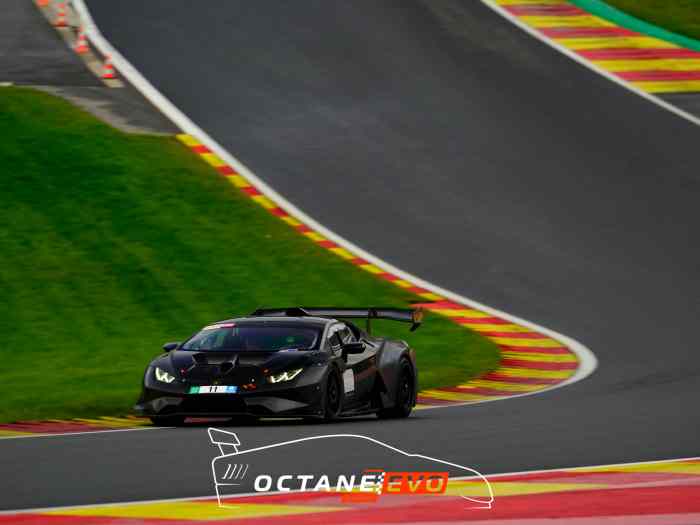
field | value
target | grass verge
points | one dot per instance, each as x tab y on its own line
679	16
113	244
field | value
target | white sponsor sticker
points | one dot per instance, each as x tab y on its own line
349	381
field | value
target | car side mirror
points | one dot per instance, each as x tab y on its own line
353	348
170	346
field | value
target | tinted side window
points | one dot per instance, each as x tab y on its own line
333	342
336	340
346	335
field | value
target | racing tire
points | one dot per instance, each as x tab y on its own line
405	393
332	397
167	421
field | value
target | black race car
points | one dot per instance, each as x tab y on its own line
284	362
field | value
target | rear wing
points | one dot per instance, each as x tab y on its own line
404	315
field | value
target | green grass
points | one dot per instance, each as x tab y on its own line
679	16
112	244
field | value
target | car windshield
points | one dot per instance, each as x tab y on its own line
258	337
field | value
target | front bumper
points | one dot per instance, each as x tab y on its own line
292	403
302	397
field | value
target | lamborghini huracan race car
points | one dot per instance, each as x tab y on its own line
284	362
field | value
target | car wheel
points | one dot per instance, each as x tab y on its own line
405	393
167	421
333	397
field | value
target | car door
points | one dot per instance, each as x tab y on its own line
361	369
334	346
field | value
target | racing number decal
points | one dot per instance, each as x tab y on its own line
213	389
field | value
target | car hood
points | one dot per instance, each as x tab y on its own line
218	364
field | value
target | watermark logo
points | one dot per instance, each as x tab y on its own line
284	467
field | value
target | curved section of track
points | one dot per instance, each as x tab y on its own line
462	150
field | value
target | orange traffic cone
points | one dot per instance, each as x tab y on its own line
81	45
108	69
61	15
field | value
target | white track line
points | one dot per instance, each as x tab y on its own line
587	359
574	56
83	433
213	497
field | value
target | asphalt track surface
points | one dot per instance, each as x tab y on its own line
31	53
453	145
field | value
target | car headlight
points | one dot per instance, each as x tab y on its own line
284	376
163	376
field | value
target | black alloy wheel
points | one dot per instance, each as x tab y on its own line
333	398
405	393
